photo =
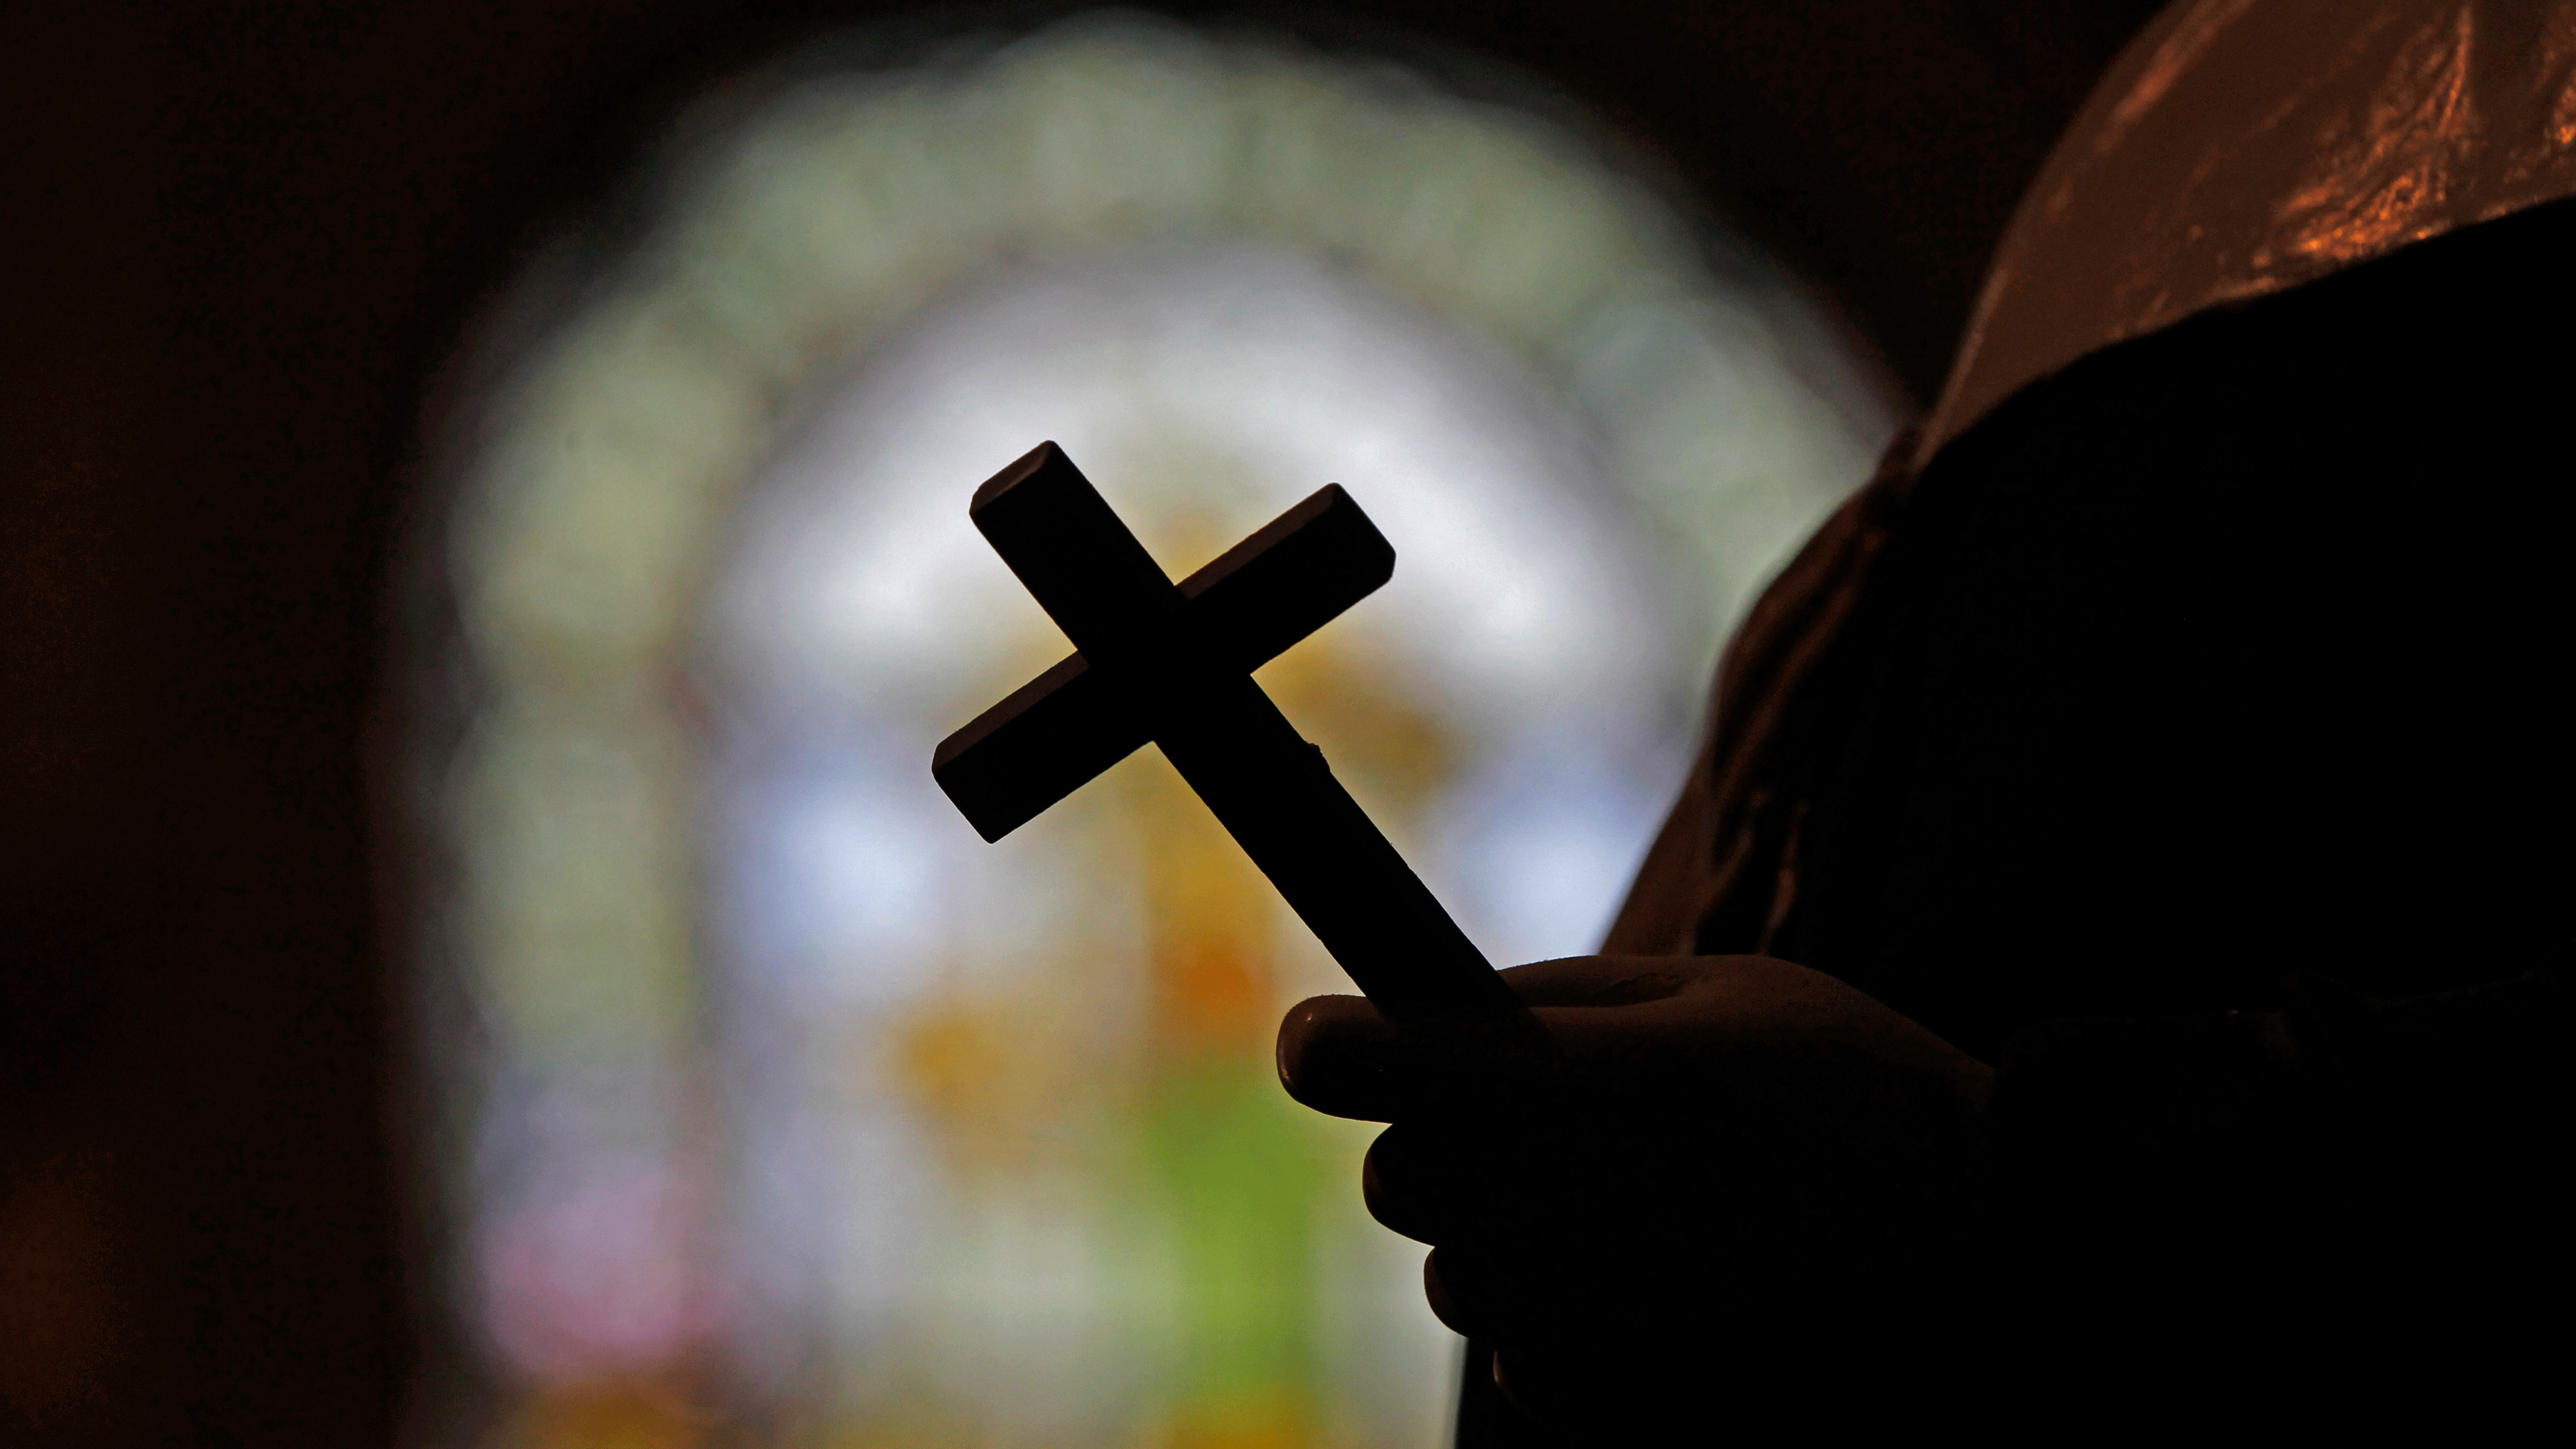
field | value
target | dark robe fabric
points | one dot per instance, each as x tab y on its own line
2200	751
2176	724
2225	656
2190	739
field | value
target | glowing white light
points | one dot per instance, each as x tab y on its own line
721	596
1256	364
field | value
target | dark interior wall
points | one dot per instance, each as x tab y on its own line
241	239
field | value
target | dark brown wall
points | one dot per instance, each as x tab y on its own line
238	239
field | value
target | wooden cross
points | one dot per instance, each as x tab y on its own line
1173	664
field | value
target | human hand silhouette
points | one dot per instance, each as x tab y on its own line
1707	1162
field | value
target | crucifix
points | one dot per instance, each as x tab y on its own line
1173	664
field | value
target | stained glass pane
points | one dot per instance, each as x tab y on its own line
786	1108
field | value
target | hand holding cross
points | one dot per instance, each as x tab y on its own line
1173	664
1615	1109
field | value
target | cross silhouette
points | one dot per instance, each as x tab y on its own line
1173	664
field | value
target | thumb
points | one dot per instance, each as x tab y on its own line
1341	1056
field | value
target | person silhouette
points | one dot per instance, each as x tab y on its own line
2109	952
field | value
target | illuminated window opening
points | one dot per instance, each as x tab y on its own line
780	1100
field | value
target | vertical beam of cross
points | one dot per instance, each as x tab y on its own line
1175	667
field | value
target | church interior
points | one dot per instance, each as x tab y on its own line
487	564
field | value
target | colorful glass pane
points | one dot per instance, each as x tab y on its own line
784	1106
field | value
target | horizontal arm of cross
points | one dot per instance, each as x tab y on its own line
1174	665
1061	729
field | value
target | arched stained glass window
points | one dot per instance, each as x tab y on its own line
774	1102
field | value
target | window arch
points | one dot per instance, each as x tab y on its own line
771	1094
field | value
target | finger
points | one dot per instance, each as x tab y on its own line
1663	1025
1444	1306
1337	1055
1617	1392
1476	1294
1526	1383
1419	1182
1598	980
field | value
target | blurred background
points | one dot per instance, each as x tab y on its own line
488	566
768	1094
